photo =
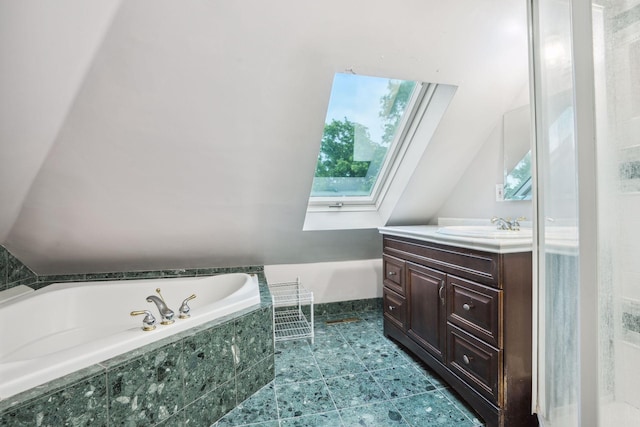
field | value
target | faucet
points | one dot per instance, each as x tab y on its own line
165	312
507	224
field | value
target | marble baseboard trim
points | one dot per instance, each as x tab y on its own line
344	307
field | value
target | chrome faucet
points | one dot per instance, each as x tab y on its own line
165	312
507	224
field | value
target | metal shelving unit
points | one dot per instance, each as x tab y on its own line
289	320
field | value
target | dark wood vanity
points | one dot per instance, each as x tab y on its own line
467	314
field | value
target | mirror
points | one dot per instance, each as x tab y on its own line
517	154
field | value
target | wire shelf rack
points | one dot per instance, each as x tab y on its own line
290	301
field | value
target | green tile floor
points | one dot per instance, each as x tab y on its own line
351	376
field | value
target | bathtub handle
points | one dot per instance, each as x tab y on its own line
149	322
185	309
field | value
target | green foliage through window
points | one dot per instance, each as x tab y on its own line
355	145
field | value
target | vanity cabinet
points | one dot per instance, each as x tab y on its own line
467	314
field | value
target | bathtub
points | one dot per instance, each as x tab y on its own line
65	327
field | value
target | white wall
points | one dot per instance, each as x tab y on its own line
333	281
185	134
474	195
46	50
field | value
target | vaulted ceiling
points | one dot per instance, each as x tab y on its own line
165	134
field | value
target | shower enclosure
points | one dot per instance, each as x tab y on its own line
586	68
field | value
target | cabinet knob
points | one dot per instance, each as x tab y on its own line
467	307
392	273
466	359
391	308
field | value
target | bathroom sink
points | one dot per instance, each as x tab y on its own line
484	232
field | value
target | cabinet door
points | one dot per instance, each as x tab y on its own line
427	308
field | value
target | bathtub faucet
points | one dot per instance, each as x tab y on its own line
165	312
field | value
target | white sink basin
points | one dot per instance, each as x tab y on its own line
484	232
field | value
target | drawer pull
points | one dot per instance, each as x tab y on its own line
391	308
466	359
467	307
392	273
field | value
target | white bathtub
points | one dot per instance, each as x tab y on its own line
65	327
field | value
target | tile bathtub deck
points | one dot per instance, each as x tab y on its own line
351	376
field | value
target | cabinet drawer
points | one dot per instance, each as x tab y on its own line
393	273
395	308
477	363
475	308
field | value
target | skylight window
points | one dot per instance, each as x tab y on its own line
364	120
376	131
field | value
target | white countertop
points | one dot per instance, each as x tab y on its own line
429	233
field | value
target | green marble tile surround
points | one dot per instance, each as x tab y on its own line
13	272
188	379
191	378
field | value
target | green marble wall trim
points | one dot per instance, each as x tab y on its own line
190	378
13	272
150	274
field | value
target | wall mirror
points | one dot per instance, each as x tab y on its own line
517	154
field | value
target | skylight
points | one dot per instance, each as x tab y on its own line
364	120
376	131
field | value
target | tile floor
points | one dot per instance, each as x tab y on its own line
351	376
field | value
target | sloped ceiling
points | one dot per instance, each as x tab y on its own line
164	134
